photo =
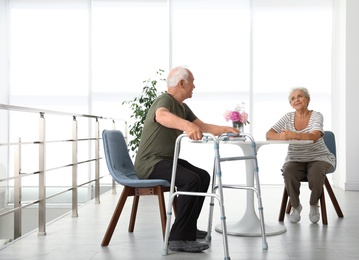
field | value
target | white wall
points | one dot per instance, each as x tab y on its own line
352	94
346	92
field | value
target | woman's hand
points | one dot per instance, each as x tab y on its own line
287	135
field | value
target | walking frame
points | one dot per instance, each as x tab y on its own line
216	189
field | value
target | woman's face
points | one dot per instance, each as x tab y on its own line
298	100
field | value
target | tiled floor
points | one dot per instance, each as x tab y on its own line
80	238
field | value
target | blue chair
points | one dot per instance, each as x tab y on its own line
122	170
329	140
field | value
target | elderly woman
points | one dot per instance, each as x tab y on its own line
312	160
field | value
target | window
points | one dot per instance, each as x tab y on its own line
49	48
90	56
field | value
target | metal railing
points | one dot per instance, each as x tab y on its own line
15	181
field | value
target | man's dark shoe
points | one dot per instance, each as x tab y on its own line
201	234
187	246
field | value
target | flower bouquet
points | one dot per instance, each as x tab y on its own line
238	116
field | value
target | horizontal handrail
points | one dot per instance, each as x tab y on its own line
24	174
38	110
48	142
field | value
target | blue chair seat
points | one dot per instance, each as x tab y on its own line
137	183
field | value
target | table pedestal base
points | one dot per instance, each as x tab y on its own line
251	228
234	229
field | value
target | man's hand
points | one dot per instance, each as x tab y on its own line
193	131
229	129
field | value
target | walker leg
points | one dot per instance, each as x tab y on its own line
260	209
218	173
211	208
210	221
168	225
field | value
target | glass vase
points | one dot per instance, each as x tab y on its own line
239	126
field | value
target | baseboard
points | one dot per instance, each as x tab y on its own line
353	186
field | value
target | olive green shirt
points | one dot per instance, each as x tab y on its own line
157	141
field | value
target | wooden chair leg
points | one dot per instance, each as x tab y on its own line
131	226
136	193
289	206
322	204
116	215
283	205
161	204
323	209
333	198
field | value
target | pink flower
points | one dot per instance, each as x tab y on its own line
244	118
232	115
227	115
235	116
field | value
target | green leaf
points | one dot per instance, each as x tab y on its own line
140	106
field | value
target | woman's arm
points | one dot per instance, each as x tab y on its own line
290	135
273	135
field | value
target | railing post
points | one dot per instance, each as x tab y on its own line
97	161
42	174
17	192
74	168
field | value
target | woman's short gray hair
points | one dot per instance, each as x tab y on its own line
303	89
176	75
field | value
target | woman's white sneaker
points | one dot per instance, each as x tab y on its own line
295	214
314	215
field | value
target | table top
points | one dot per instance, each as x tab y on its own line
247	141
236	140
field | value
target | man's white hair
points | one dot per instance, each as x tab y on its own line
176	75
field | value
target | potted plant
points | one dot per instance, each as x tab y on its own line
140	106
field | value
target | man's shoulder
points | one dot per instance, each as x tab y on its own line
164	98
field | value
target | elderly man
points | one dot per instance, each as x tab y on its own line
168	118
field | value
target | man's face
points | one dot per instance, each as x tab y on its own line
189	86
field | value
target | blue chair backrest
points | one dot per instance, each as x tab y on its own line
118	160
329	140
